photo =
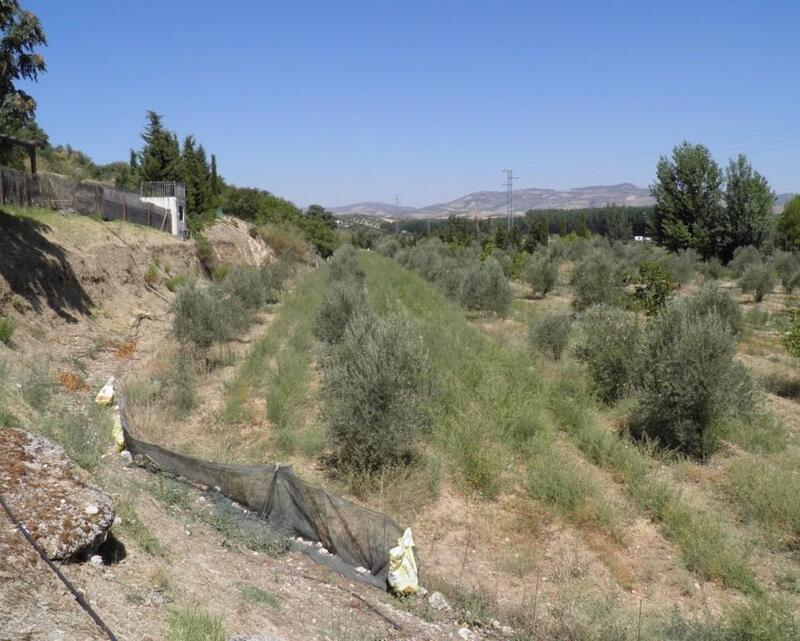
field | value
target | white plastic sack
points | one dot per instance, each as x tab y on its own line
116	429
403	565
106	394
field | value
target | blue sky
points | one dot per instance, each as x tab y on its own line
338	102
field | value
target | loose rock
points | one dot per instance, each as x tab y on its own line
437	601
42	487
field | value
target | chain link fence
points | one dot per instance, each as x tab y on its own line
84	197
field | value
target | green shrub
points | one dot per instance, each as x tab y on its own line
689	383
485	288
220	271
344	265
759	279
711	268
596	279
541	273
550	334
273	280
682	265
37	386
7	328
787	266
245	283
376	386
343	300
287	242
174	282
744	257
181	381
791	339
195	624
654	288
204	316
151	274
712	299
608	347
388	246
205	251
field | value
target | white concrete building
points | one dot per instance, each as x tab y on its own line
171	196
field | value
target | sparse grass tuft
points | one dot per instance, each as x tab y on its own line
195	624
133	529
151	274
37	386
256	595
768	491
254	535
783	384
7	328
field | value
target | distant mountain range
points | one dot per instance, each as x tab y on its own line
493	203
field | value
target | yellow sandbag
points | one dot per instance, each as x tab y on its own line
116	430
106	394
403	565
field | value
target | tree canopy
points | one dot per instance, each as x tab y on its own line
700	207
20	34
688	199
788	228
747	215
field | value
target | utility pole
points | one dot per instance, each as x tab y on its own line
510	178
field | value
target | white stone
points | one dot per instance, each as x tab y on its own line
96	561
91	509
437	601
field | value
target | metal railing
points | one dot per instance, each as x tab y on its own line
163	189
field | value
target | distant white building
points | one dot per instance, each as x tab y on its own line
171	196
643	239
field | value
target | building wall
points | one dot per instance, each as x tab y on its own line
177	208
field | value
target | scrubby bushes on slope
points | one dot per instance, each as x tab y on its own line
541	273
475	284
689	383
376	385
758	279
342	301
376	373
217	313
596	278
550	334
609	345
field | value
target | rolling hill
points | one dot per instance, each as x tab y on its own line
493	203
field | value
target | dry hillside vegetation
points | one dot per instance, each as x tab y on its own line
532	506
176	567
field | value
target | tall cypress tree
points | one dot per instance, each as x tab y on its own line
160	155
